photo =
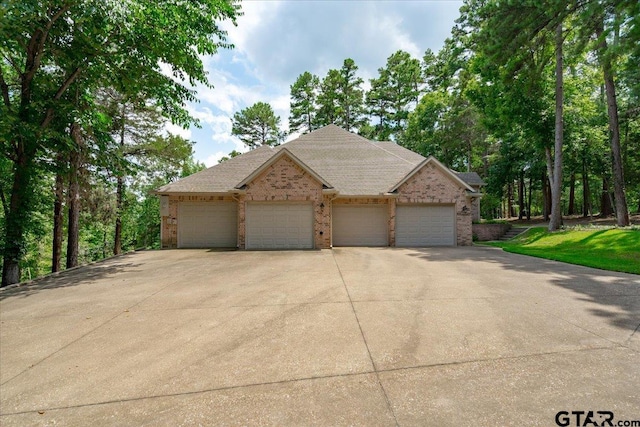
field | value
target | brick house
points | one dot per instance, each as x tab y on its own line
326	188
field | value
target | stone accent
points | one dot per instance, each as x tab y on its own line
430	185
169	224
284	180
487	232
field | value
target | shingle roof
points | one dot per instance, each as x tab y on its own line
353	165
222	177
471	178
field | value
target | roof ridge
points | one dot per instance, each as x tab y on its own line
387	151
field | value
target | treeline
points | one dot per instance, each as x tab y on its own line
541	99
87	88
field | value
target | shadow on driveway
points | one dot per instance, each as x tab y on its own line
72	277
617	293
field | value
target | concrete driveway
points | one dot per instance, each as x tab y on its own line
354	336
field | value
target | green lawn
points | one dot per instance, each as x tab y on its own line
608	249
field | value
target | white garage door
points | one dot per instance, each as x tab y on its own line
207	225
360	225
279	226
425	226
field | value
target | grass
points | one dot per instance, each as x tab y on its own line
605	248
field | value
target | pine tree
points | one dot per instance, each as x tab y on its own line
304	94
257	125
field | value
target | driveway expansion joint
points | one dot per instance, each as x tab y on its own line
364	339
191	393
313	378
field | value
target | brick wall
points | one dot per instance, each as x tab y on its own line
284	180
431	186
487	232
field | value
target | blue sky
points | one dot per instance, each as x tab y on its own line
276	41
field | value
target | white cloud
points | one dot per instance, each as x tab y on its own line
229	94
214	159
276	41
284	39
178	130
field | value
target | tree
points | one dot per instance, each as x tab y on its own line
604	55
135	138
516	36
379	105
554	166
328	99
46	48
394	93
304	94
341	98
350	97
231	155
257	125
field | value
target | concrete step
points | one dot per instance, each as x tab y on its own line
512	233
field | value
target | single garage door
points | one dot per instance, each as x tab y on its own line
360	225
207	225
279	226
425	226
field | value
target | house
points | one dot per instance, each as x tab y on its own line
326	188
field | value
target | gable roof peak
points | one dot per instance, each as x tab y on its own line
448	172
283	152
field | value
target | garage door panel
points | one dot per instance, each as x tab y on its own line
207	225
422	225
279	226
360	225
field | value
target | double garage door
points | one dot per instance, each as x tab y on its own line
416	225
268	225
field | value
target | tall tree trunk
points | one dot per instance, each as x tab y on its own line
510	199
521	195
622	212
545	197
572	195
58	219
554	166
586	194
605	199
19	208
74	198
117	240
529	199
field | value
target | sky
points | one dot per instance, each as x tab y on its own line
277	40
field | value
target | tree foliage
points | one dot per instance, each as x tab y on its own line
304	95
257	125
56	54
